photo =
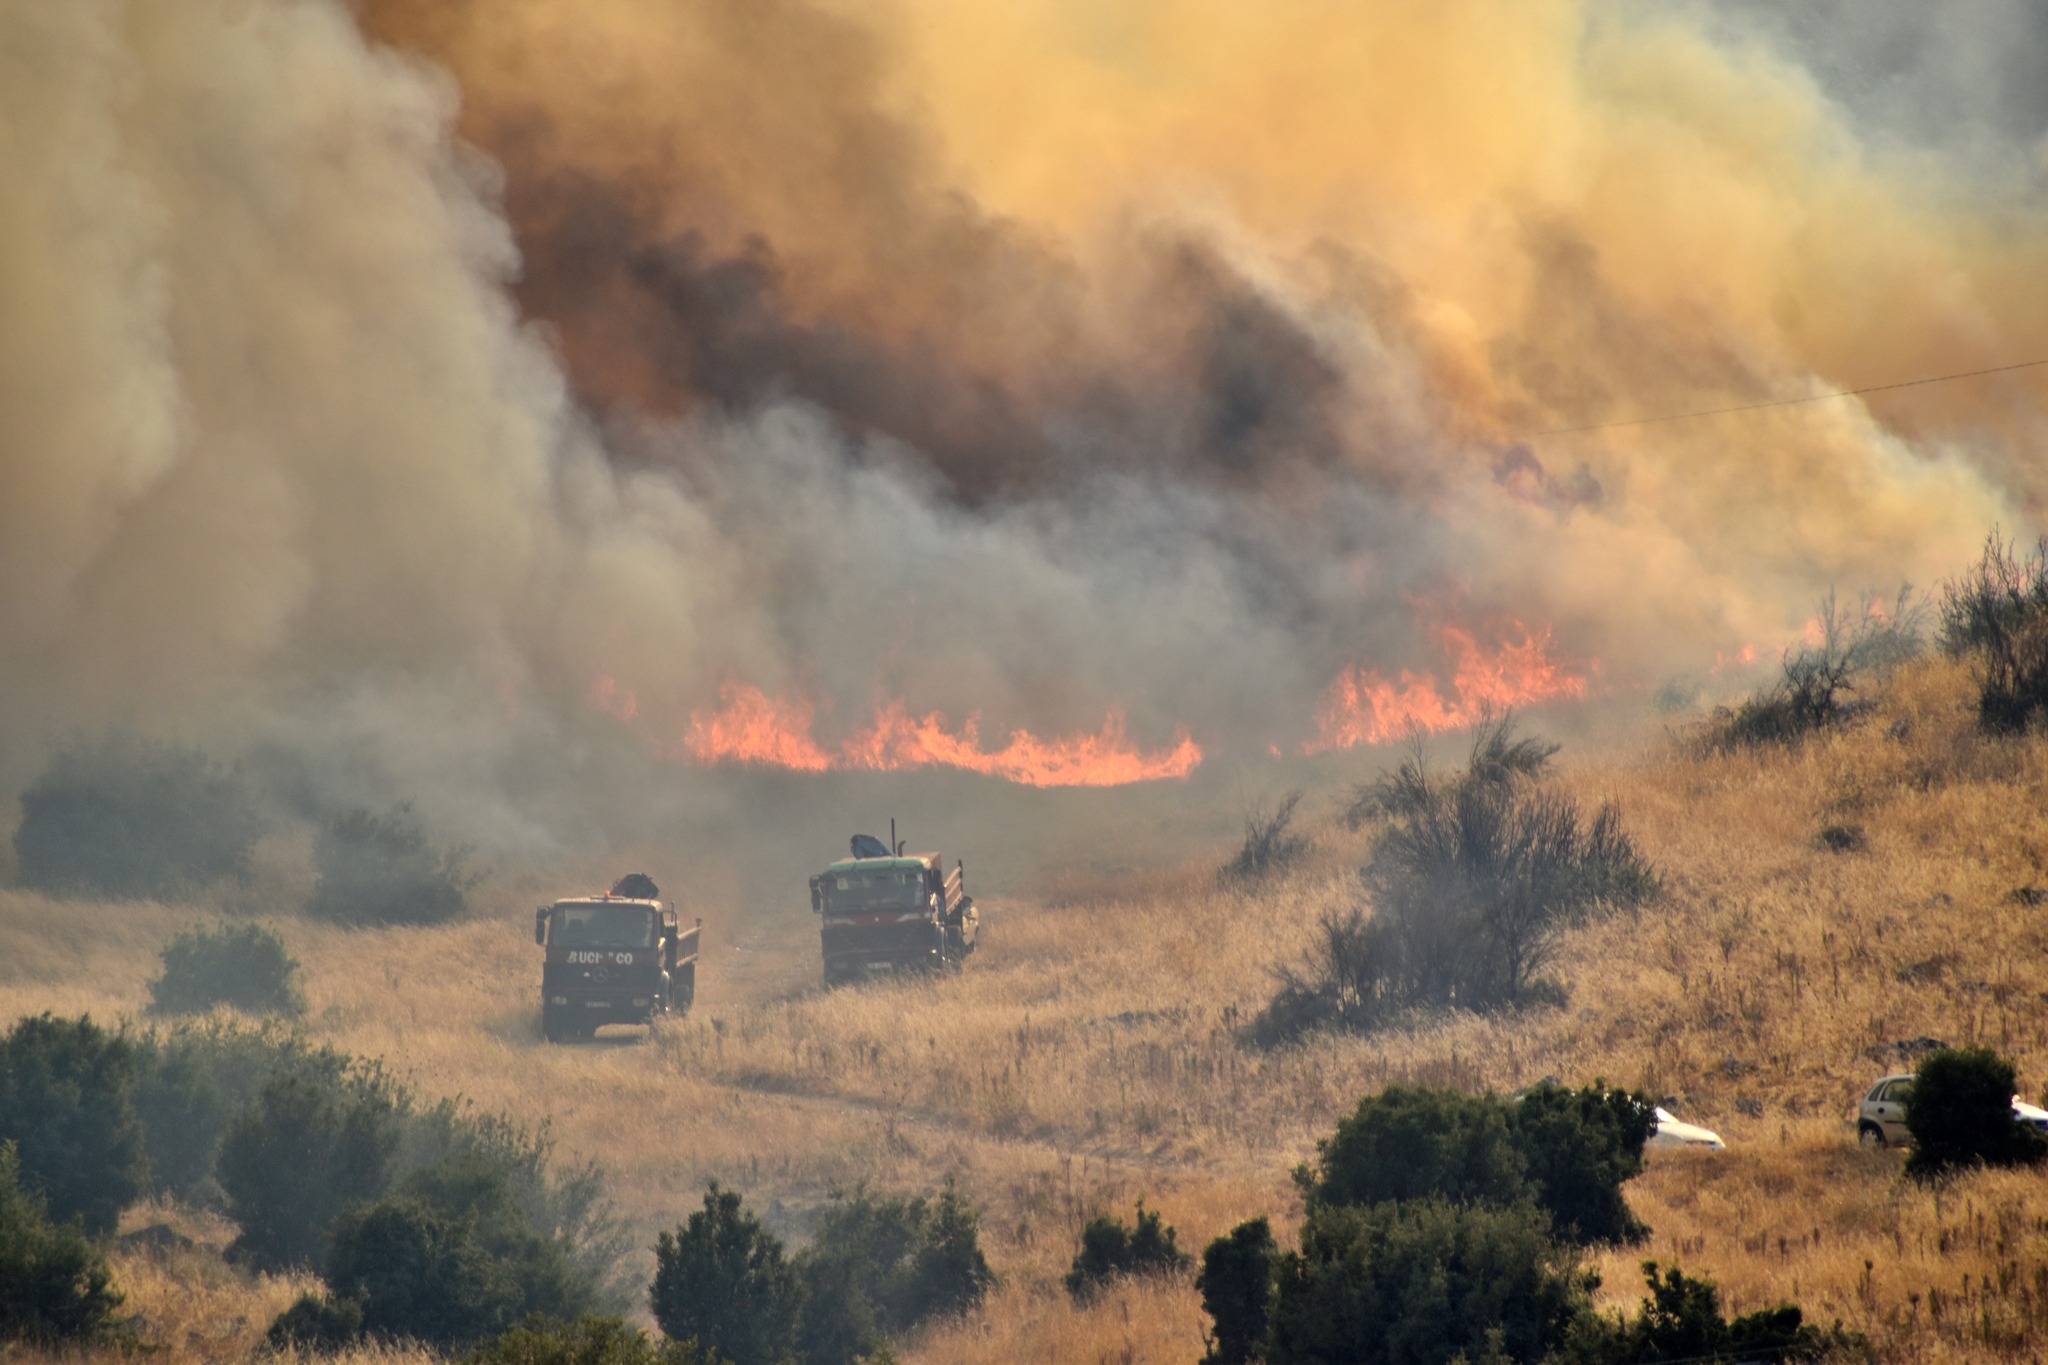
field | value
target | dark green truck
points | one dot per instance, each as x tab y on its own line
612	960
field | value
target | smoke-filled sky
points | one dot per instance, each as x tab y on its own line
435	376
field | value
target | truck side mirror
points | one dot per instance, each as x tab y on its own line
817	898
540	925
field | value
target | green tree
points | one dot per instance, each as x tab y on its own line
1580	1147
879	1266
123	817
1960	1114
381	869
1109	1250
1567	1151
55	1286
722	1281
65	1105
1416	1143
1419	1283
450	1258
303	1153
1236	1284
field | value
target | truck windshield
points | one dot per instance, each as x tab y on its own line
602	926
876	890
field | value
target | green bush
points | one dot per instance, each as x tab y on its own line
1236	1284
450	1258
316	1324
194	1079
1423	1282
1960	1114
568	1206
1566	1152
54	1284
65	1104
878	1267
586	1341
125	818
1471	883
301	1155
283	1135
1110	1250
722	1281
243	965
376	869
1681	1320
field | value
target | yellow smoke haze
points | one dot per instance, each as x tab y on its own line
1574	215
423	360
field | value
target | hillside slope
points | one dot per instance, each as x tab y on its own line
1092	1052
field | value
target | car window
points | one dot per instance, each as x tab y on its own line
1897	1091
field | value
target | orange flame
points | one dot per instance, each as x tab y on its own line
1363	707
750	727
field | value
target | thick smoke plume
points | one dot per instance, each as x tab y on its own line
470	386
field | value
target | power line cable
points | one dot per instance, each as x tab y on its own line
1785	402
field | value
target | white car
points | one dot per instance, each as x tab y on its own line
1881	1118
1673	1132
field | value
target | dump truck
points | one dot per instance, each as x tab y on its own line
613	959
882	908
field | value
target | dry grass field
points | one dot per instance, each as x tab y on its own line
1091	1052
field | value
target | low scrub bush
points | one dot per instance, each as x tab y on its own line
243	965
1681	1320
1471	884
1567	1152
125	818
65	1104
1819	683
1960	1114
55	1287
878	1267
586	1341
316	1324
1236	1285
1110	1250
722	1281
373	869
1270	844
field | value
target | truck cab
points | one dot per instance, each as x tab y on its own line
612	960
895	912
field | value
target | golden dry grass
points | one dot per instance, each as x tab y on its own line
1090	1053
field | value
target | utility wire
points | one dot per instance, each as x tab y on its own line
1785	402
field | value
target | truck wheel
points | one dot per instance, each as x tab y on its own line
550	1027
683	990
